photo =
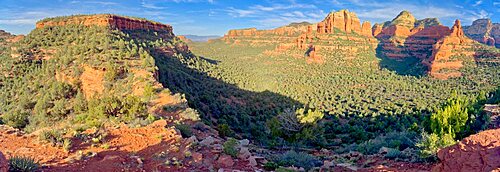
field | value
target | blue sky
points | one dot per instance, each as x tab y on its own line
215	17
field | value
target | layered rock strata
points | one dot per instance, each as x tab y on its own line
106	20
445	59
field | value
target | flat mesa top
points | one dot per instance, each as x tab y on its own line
115	21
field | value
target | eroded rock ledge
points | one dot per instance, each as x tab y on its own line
106	20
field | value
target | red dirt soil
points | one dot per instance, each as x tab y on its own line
128	149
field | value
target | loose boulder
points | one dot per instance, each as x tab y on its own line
479	152
225	161
4	163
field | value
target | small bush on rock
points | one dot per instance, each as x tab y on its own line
185	130
297	159
225	130
230	147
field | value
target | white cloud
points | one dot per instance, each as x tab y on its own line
478	15
95	2
240	12
479	2
147	5
276	15
191	1
390	11
18	21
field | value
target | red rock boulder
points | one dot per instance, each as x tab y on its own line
225	161
4	163
479	152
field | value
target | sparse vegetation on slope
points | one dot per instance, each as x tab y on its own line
85	75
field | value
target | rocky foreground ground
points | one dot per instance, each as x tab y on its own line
155	147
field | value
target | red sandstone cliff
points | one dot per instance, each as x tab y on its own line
184	38
366	29
343	20
106	20
440	48
329	35
341	32
406	36
376	29
453	44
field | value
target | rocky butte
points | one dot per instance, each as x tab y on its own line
256	37
405	36
437	46
484	31
445	59
92	77
106	20
340	32
442	49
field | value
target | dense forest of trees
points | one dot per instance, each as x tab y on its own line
360	98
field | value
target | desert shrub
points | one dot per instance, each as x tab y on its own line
126	110
394	140
410	155
53	137
451	119
230	147
22	164
225	130
190	114
66	144
289	123
311	136
174	107
270	166
297	159
16	119
429	144
392	153
97	136
281	169
311	117
185	130
446	124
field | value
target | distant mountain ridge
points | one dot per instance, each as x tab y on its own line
426	40
199	38
484	31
